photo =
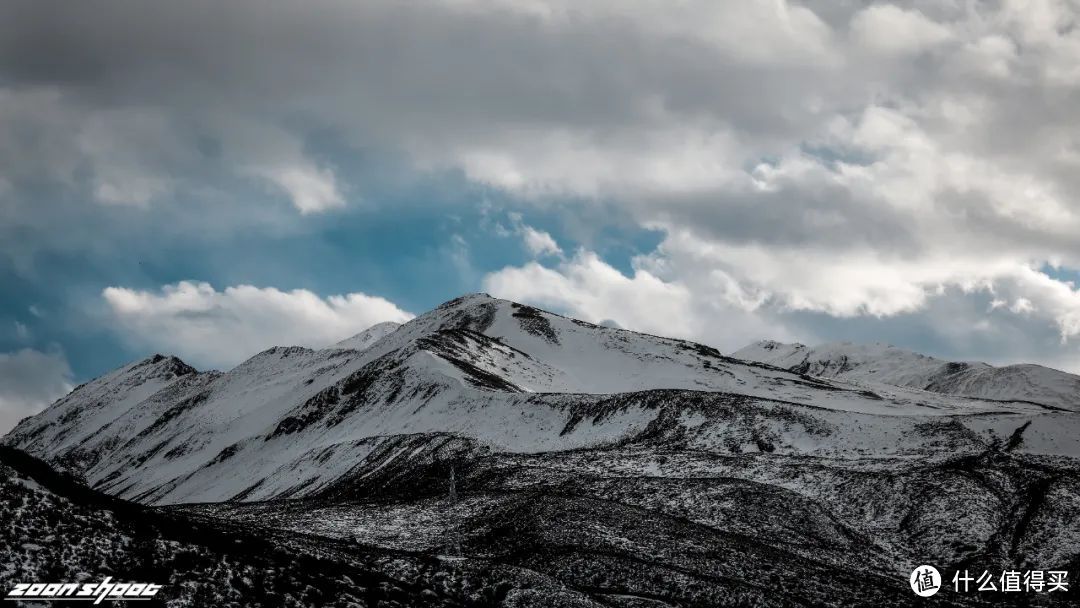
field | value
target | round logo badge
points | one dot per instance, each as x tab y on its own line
925	581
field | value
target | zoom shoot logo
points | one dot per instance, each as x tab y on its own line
98	592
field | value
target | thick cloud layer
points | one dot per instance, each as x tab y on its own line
804	161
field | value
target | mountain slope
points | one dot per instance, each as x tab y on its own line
886	364
492	375
369	336
490	452
58	530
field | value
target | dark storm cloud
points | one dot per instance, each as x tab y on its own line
382	67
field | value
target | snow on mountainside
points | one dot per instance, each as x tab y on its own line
592	466
474	375
886	364
369	336
56	529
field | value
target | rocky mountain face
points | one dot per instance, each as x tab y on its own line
593	466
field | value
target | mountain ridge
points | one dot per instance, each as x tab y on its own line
887	364
547	461
502	376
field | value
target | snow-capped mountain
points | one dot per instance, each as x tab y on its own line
887	364
476	374
594	466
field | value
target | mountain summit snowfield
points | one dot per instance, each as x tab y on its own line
600	461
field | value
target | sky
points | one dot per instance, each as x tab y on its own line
209	179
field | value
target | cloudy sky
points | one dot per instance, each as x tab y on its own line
209	179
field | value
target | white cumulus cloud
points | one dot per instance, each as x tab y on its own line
539	242
312	189
222	328
588	288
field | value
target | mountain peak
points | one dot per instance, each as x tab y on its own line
163	366
469	299
780	354
368	337
771	345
